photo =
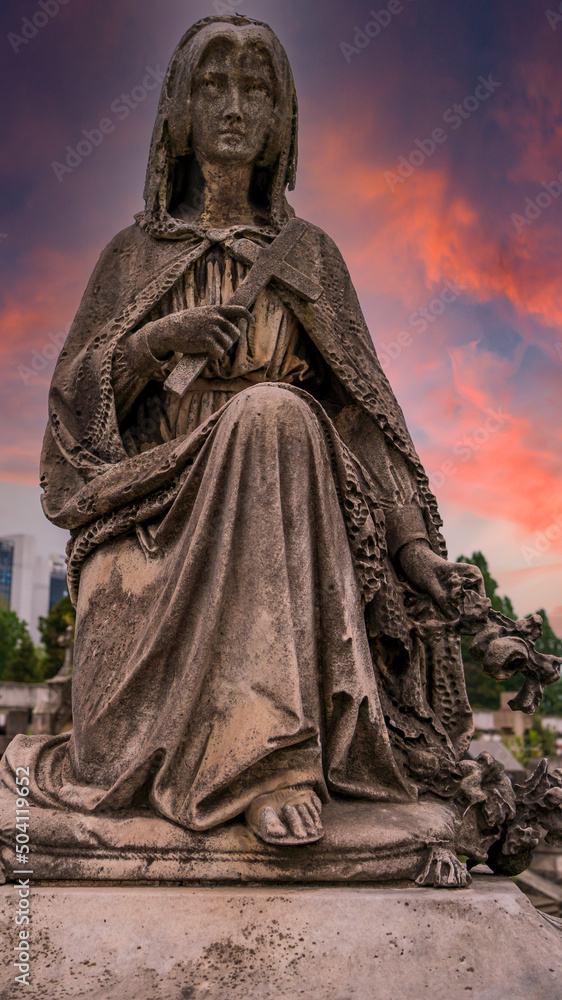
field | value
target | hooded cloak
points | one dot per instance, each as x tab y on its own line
404	693
83	441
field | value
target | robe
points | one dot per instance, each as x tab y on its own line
241	625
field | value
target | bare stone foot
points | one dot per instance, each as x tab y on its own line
288	817
444	870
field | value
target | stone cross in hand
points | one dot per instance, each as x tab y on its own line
267	263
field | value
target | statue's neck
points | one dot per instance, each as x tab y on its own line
226	194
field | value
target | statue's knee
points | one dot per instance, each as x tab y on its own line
269	402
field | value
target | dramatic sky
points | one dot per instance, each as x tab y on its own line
479	377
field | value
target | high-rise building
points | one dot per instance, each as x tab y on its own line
30	584
6	570
57	580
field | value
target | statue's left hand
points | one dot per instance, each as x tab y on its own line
434	576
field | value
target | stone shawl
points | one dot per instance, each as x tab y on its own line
87	475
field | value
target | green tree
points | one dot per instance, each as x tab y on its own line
18	657
536	743
501	604
53	628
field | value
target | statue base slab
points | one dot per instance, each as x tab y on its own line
323	943
363	841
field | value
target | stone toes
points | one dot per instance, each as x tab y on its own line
453	876
444	874
454	873
308	817
294	822
270	823
464	877
316	816
315	803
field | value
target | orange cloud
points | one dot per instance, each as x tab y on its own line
402	245
409	239
43	299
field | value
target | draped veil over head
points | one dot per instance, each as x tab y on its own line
171	162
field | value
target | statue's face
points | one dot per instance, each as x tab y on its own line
232	104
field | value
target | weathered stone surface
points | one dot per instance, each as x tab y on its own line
364	841
361	943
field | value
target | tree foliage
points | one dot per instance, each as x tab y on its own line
19	660
536	743
52	629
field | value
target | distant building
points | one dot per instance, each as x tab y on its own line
504	723
17	701
6	566
515	770
30	584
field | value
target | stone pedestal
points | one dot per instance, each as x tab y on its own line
364	841
364	942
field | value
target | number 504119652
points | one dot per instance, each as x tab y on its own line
22	810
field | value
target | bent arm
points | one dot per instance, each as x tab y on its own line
151	352
134	366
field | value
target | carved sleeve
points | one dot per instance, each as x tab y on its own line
134	366
390	474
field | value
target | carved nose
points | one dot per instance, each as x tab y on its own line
232	112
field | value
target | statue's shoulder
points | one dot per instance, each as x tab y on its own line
326	249
316	234
116	275
126	260
130	240
330	266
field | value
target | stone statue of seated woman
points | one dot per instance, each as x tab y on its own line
264	603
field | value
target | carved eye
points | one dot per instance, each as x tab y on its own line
257	89
211	86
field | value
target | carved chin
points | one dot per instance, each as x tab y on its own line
238	149
233	145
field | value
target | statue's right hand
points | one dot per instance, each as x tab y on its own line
209	330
